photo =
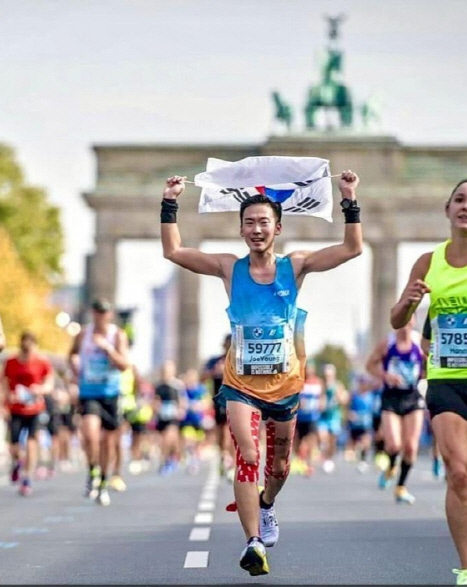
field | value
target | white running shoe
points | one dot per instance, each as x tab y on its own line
135	468
91	490
268	526
403	496
103	498
328	466
253	558
362	467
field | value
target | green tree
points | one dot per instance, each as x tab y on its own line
24	303
31	221
31	248
338	357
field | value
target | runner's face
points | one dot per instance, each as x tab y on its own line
407	329
456	210
259	227
102	318
27	345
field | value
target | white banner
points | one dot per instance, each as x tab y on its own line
301	184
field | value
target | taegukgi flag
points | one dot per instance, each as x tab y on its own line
301	184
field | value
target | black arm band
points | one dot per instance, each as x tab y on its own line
169	211
351	211
352	215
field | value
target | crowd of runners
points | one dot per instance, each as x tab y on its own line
172	422
261	394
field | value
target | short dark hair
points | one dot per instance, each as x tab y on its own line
101	305
28	335
260	199
456	187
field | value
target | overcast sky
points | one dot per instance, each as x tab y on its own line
78	72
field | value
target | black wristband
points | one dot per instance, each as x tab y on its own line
352	215
169	211
351	211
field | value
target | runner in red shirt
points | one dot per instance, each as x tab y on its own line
26	378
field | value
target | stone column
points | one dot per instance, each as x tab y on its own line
103	269
188	316
384	287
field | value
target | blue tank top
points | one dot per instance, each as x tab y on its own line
309	408
332	409
262	318
407	364
98	378
377	401
361	406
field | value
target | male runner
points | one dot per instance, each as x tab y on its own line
97	356
330	419
170	409
263	374
214	371
27	378
306	440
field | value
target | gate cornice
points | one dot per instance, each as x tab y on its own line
403	217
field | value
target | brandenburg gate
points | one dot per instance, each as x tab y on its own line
402	193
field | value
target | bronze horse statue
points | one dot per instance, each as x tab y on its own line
283	110
330	93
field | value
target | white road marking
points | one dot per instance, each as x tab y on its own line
30	530
206	506
196	559
212	488
57	519
81	508
203	518
200	534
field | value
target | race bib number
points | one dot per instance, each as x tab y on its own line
96	368
451	343
361	419
24	395
309	404
408	371
262	350
168	410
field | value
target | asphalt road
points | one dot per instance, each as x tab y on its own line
335	529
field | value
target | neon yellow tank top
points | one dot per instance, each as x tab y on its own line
448	317
127	384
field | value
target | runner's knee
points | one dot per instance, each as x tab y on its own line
457	480
409	451
277	465
279	469
247	452
457	476
392	447
247	466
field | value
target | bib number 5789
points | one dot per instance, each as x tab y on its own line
454	338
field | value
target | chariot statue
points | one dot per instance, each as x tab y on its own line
330	94
330	99
283	111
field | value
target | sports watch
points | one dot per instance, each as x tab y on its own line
347	203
